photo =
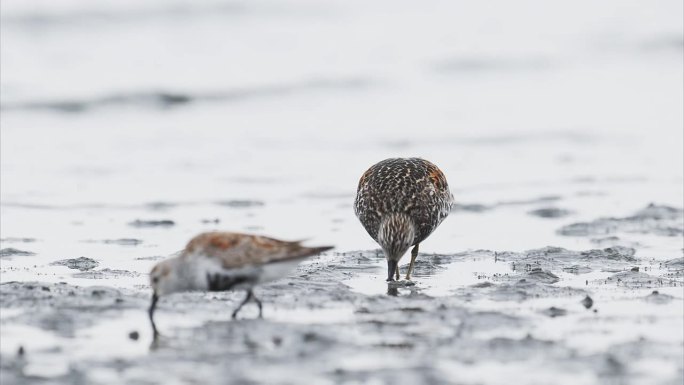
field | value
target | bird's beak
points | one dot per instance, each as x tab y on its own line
391	269
153	305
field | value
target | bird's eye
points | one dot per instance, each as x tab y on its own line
155	279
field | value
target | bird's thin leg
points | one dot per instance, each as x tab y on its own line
414	254
249	296
150	312
392	266
258	302
397	272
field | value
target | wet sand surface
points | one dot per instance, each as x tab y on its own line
127	129
553	315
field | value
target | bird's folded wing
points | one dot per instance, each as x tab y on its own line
239	250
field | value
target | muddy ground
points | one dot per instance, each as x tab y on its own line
548	315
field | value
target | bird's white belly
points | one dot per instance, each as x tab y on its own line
272	271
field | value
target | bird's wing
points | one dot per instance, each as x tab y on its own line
238	250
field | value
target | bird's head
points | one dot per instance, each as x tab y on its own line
162	278
396	235
165	279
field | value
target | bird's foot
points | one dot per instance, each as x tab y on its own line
401	283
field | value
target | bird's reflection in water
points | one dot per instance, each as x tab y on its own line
394	286
392	290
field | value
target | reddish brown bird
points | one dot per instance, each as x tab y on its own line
400	202
220	261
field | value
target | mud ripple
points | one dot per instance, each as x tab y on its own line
81	263
653	219
12	252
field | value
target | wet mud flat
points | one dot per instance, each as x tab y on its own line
548	315
552	269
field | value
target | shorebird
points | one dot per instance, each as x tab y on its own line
219	261
400	202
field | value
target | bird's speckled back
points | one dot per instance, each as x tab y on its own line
410	186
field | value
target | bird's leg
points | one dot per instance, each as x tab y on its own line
391	269
258	302
397	273
153	306
249	296
414	254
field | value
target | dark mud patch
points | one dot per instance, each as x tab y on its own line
521	202
168	99
524	289
106	274
150	258
654	219
17	240
676	264
554	312
12	252
81	263
479	207
429	264
638	280
550	212
578	262
470	207
161	206
139	223
120	241
658	298
239	203
541	276
612	241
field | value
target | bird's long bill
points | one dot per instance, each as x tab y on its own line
153	305
391	268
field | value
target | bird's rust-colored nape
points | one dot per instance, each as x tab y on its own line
437	177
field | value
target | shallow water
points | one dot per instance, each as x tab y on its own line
129	127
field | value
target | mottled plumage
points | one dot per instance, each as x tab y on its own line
220	261
400	202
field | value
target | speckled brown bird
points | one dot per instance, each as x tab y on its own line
220	261
400	202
